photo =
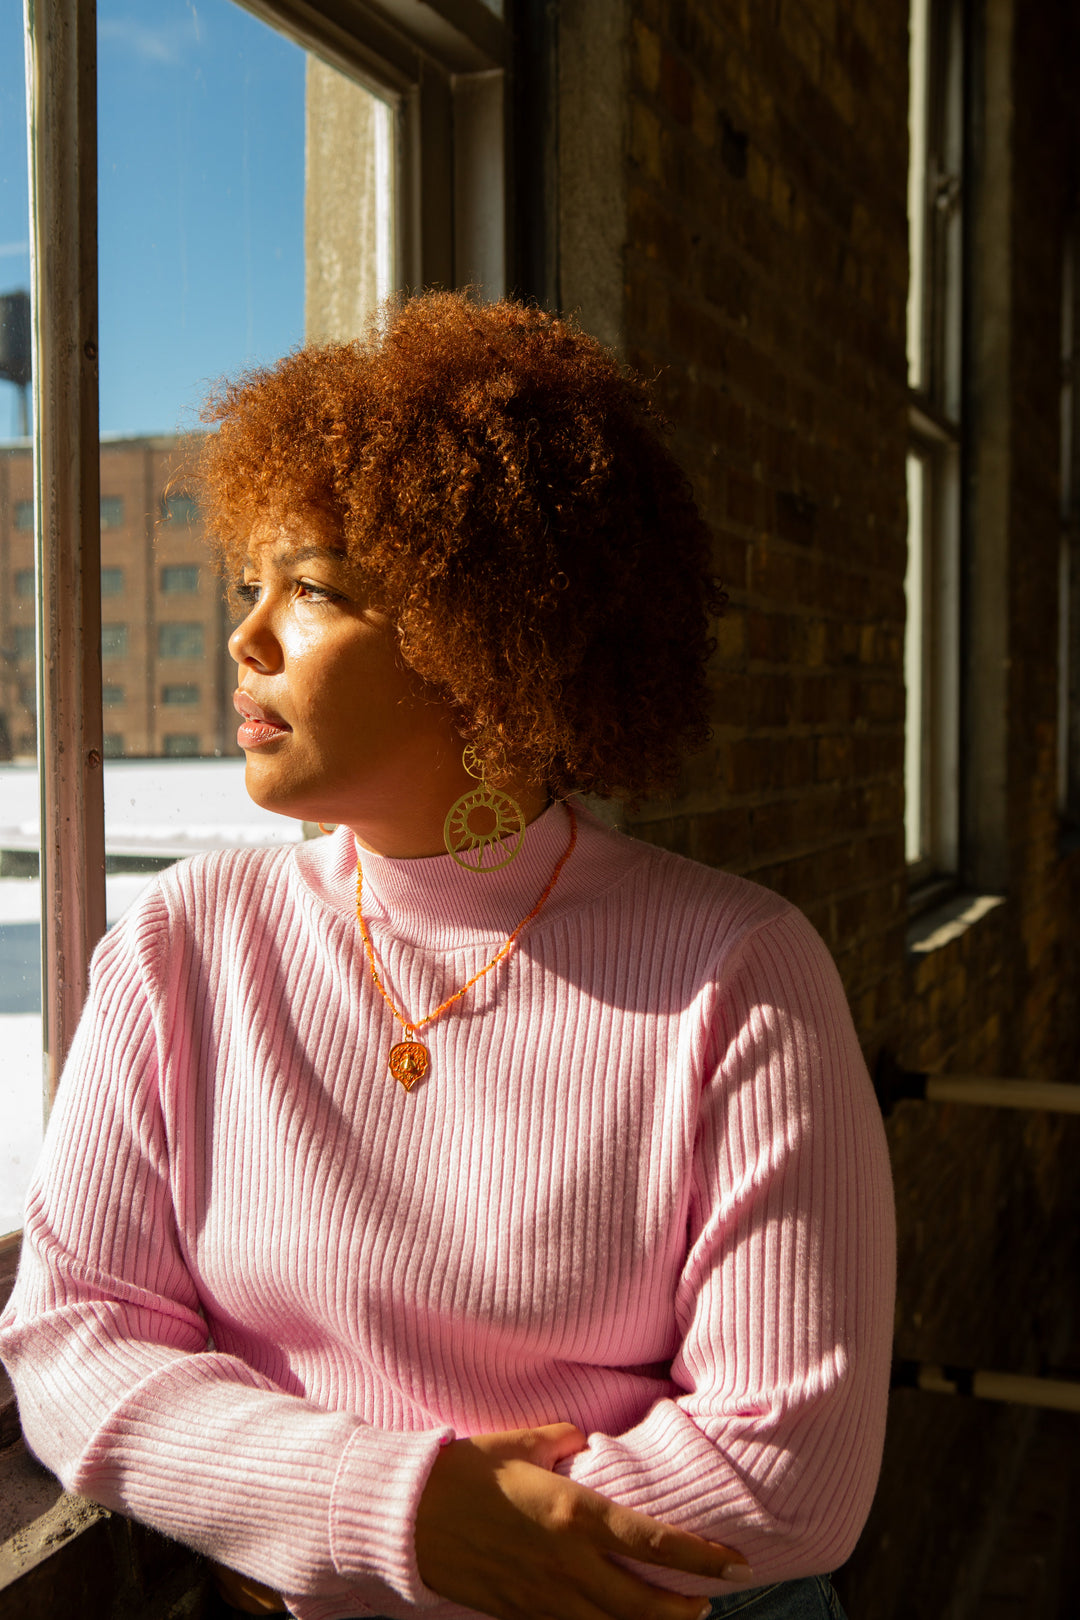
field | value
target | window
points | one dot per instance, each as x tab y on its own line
180	641
181	744
24	582
112	582
935	391
180	578
24	642
114	641
394	149
180	694
179	509
112	696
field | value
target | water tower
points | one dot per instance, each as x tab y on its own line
15	350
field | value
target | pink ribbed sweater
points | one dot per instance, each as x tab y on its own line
644	1189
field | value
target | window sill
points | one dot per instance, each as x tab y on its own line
929	893
36	1516
61	1554
935	928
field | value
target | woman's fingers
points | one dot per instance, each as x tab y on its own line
543	1447
498	1532
635	1535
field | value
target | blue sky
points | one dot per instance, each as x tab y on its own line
201	188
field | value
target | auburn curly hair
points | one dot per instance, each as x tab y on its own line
503	484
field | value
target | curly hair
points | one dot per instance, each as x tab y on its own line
503	485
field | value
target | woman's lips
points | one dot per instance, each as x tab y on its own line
253	733
260	725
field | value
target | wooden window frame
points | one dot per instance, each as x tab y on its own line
937	427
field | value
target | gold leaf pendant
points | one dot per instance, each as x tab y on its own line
409	1062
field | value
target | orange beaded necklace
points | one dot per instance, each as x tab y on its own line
409	1060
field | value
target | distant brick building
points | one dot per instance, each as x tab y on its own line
166	674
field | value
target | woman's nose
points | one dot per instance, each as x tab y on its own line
254	644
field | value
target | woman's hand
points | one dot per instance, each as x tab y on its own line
496	1530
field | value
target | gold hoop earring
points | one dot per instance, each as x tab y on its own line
323	828
484	824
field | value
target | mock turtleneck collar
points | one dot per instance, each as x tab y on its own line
435	902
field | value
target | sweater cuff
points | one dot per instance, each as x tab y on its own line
378	1486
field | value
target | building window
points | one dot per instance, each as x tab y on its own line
112	696
114	641
24	514
183	694
181	744
24	582
179	509
112	511
935	393
112	582
180	578
180	640
24	642
113	745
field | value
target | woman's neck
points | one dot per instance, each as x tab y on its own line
410	825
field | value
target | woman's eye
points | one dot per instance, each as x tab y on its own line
305	590
316	593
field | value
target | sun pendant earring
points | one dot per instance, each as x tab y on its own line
484	829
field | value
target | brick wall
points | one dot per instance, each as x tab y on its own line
765	283
765	289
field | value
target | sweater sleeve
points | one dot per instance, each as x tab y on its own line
784	1305
120	1391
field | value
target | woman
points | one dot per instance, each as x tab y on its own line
475	1210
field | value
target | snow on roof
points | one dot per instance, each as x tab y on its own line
160	807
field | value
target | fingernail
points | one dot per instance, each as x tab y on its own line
738	1574
705	1613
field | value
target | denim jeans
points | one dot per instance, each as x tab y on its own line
812	1598
809	1599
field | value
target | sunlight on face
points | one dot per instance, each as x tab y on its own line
335	725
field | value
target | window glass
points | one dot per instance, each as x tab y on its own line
181	578
934	326
915	829
112	582
180	640
179	509
112	511
20	897
114	641
227	234
112	696
918	90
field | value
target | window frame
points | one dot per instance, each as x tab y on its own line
443	67
937	436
